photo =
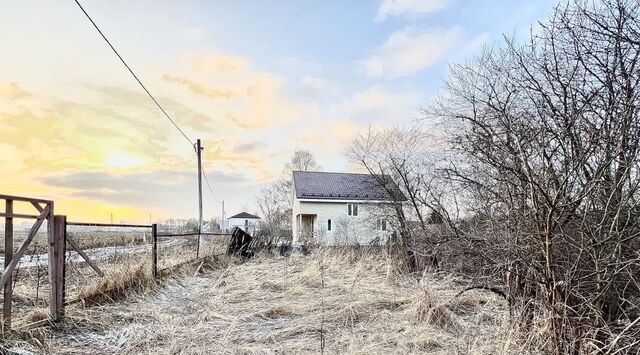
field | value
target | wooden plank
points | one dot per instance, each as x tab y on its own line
37	206
57	244
25	199
6	275
33	325
19	215
8	255
154	250
61	239
84	256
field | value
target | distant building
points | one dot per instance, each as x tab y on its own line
343	208
245	221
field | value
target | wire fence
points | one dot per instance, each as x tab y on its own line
100	262
101	258
178	248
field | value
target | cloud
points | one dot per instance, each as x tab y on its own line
248	147
411	50
54	134
146	189
217	63
320	84
124	102
202	90
381	104
13	91
407	7
247	98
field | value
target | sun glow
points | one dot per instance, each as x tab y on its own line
121	160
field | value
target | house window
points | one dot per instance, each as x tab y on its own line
328	224
381	224
352	209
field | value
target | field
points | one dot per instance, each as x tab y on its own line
327	301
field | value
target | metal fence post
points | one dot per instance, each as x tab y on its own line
154	250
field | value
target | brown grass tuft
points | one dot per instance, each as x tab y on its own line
277	312
465	304
273	286
422	304
118	284
443	318
38	315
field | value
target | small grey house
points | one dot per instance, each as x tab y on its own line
342	208
247	221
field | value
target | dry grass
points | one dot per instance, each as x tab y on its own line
277	304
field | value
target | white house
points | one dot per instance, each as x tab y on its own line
343	208
245	221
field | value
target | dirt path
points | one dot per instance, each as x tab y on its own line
288	305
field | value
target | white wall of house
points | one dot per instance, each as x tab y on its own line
246	224
345	228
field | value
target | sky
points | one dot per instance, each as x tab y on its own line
254	80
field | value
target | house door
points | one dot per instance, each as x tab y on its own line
307	227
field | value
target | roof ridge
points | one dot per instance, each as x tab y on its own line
244	214
334	172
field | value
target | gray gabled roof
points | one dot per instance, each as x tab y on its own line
245	215
345	186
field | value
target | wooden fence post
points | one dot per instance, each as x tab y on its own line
8	254
57	244
154	250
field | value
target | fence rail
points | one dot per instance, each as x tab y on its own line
87	224
190	234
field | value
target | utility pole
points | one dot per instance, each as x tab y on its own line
199	152
222	226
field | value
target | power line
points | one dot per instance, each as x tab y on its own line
148	93
209	186
134	74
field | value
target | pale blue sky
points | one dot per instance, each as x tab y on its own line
254	79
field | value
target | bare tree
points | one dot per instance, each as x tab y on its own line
274	201
538	183
545	141
302	160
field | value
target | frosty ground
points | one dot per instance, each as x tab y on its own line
327	301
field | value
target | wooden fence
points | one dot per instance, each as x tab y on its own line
55	243
58	242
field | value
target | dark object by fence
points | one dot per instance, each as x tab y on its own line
285	248
239	243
